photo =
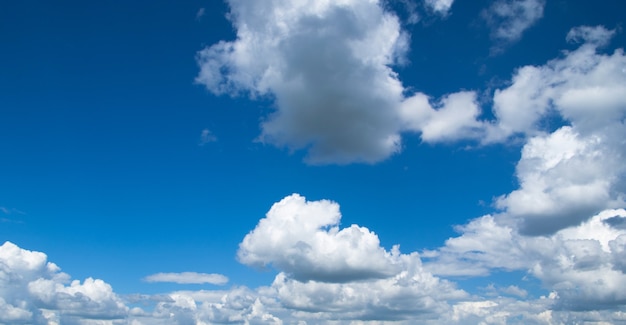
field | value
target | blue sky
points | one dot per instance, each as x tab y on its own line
185	162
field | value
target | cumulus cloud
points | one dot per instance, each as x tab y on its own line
580	264
188	278
454	117
584	87
510	18
327	66
303	239
574	172
34	291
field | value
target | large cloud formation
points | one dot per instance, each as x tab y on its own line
582	264
327	65
581	267
569	174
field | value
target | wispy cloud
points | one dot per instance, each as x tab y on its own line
509	19
439	6
206	137
188	278
200	13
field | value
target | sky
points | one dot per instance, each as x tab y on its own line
313	162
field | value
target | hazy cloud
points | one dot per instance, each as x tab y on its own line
200	13
439	6
207	137
188	278
509	19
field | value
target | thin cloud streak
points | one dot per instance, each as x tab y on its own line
188	278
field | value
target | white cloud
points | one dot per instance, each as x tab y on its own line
580	264
340	273
576	171
303	239
510	18
454	117
188	278
206	137
564	179
439	6
599	36
584	87
200	13
327	66
33	290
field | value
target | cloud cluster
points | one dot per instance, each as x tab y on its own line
575	171
34	291
341	273
581	264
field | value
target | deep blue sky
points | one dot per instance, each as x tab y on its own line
103	168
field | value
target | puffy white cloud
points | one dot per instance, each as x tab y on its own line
327	66
576	171
34	291
303	239
565	178
580	264
411	294
454	117
337	273
188	278
510	18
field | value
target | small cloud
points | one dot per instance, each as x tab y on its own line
206	136
441	7
596	35
509	19
9	211
188	278
200	13
514	291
